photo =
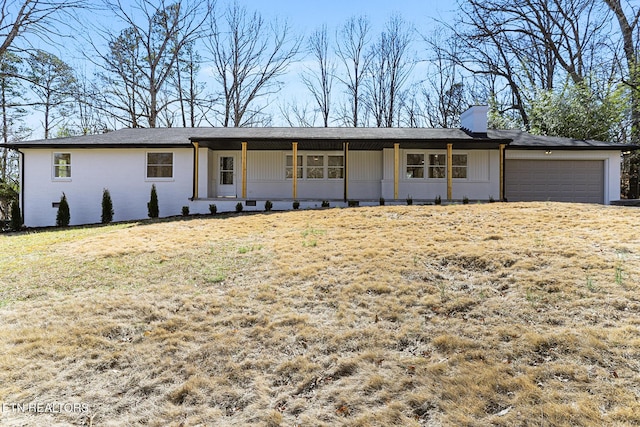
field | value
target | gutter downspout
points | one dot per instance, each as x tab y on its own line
196	162
502	172
21	195
345	148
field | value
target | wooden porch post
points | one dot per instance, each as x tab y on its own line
244	170
449	171
396	169
295	170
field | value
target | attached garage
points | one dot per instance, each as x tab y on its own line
555	180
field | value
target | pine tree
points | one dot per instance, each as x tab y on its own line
152	206
107	207
64	214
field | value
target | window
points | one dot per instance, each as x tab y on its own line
335	167
62	165
159	165
315	167
437	165
415	165
459	163
289	168
226	170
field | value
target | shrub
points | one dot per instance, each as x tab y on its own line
438	200
268	205
107	207
296	204
213	209
63	216
325	204
152	206
239	207
409	200
381	201
491	199
185	210
465	200
16	216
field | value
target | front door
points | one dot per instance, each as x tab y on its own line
227	176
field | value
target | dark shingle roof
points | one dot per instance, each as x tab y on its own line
523	140
314	138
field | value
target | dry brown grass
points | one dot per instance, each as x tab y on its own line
497	314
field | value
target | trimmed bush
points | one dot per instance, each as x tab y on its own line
63	217
296	204
268	205
185	210
16	216
213	209
107	207
152	206
239	207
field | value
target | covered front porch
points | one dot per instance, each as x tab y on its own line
312	171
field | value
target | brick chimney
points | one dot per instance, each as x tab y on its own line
474	120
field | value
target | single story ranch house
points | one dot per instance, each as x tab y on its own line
196	167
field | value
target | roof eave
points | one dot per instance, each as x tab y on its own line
95	146
573	148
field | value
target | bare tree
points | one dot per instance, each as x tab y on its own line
444	85
248	56
89	120
352	41
530	44
42	19
143	56
298	116
629	23
53	82
389	70
21	22
194	105
320	81
11	89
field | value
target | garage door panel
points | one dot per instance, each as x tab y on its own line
555	180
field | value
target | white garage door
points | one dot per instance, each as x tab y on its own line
555	180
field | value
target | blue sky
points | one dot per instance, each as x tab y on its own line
308	15
303	18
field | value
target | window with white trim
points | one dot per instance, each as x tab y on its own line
459	166
316	166
335	167
289	168
415	165
437	165
62	165
159	165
